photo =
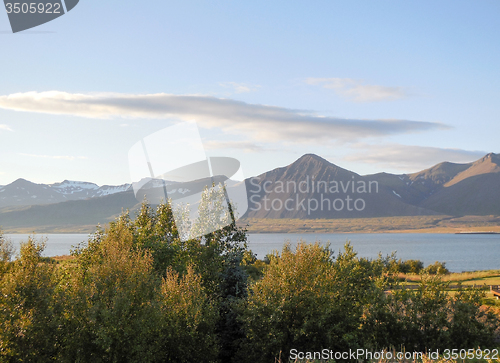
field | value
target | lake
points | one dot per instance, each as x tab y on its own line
460	252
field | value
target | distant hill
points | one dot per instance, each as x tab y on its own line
309	188
325	191
24	192
76	212
473	191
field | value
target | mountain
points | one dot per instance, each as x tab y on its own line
416	187
489	164
316	188
87	212
473	191
309	188
22	192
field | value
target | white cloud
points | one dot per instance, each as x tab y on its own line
357	91
5	128
239	87
258	122
410	157
247	146
57	157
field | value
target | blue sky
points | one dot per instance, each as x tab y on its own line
369	85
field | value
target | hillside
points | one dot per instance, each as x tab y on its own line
326	188
311	188
24	193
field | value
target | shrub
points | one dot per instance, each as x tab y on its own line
307	301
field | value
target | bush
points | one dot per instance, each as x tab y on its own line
429	318
137	293
307	301
438	268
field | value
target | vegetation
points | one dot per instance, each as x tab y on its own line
415	267
410	224
138	292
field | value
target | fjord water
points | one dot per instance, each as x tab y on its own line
466	252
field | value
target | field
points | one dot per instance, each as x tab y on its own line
413	224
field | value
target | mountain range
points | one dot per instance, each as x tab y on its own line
309	188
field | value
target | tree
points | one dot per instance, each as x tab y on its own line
6	253
471	324
307	300
29	309
122	310
421	315
215	257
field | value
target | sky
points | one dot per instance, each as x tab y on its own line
371	86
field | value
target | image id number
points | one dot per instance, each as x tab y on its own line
33	8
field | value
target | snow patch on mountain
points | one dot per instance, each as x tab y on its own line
108	190
74	185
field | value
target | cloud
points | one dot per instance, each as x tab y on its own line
357	91
410	157
239	87
57	157
260	122
5	128
247	146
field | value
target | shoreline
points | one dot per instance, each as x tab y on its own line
406	224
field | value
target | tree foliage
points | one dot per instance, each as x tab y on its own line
138	292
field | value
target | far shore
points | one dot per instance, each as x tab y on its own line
410	224
413	224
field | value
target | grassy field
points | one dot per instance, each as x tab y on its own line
412	224
483	279
415	224
489	277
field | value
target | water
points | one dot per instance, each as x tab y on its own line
460	252
56	244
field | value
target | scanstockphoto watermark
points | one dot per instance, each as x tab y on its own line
358	355
393	356
311	195
205	193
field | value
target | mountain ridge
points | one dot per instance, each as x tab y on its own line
444	189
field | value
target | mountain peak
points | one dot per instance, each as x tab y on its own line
21	181
492	157
312	158
489	163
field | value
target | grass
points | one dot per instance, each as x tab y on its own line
475	278
487	277
405	224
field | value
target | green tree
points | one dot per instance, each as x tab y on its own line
29	310
308	301
215	257
122	310
422	315
188	320
437	268
472	325
112	302
6	253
